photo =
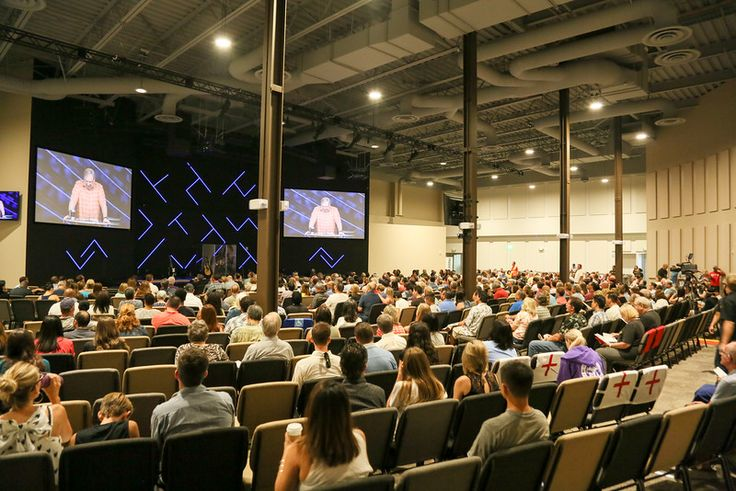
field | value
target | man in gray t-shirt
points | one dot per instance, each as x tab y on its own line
520	424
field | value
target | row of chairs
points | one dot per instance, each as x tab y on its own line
19	310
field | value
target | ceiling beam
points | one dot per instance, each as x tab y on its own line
693	81
20	22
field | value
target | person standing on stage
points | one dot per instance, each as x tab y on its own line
88	199
325	219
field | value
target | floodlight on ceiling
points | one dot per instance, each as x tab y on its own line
375	95
595	105
529	151
223	42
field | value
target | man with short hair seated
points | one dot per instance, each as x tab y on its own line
270	346
193	407
170	316
237	317
389	340
251	330
363	395
520	424
321	363
67	313
81	327
147	311
190	299
469	327
726	387
378	358
130	298
55	309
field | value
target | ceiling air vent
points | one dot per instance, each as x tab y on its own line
674	121
168	118
676	57
405	118
667	36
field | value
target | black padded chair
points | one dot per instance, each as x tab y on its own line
383	482
221	373
88	466
60	362
162	355
628	450
486	327
306	390
541	396
533	330
143	405
442	372
336	345
23	310
376	310
261	371
454	316
520	468
471	413
455	373
173	340
42	308
422	432
378	426
339	310
89	385
384	379
163	330
221	338
27	471
218	462
299	346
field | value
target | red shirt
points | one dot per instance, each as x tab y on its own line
63	344
715	278
169	318
500	293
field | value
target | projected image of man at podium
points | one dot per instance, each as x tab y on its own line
325	220
88	199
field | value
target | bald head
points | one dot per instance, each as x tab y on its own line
728	356
271	324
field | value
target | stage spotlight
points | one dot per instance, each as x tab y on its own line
141	90
374	146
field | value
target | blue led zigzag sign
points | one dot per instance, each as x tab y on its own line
86	255
326	257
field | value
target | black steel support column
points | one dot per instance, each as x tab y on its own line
618	165
564	184
269	173
470	167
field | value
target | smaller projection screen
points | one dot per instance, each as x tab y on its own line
73	190
324	214
9	205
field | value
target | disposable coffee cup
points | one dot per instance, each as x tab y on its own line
294	431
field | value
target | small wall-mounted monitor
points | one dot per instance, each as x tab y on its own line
9	205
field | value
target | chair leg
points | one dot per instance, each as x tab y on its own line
682	470
727	473
640	485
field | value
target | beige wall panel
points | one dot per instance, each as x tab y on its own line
517	204
535	204
600	198
652	195
711	246
674	191
484	203
578	198
732	158
652	259
724	181
699	244
699	186
724	246
663	243
711	183
500	205
638	194
663	194
675	252
732	251
686	241
686	187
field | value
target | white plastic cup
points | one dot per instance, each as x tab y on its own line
294	431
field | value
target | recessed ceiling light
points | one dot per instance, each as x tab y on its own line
574	168
141	90
430	183
595	105
641	136
494	176
604	180
529	151
532	186
374	146
443	163
375	95
223	42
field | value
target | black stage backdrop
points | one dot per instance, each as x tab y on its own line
187	191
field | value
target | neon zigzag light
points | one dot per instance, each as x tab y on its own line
86	260
322	253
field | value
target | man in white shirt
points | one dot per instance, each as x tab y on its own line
321	363
402	303
270	346
55	309
233	299
389	341
338	296
151	284
191	300
579	273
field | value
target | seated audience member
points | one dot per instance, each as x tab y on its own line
130	299
378	358
349	316
520	423
321	363
208	314
476	378
368	300
21	290
270	346
160	299
468	328
726	387
67	313
121	291
3	338
501	344
599	311
320	296
430	302
20	348
337	297
251	330
323	314
389	340
127	323
81	327
435	333
627	346
521	320
193	407
103	305
330	450
395	315
579	360
190	299
542	304
420	337
181	293
231	300
296	306
69	294
362	395
649	318
447	301
197	334
115	422
499	293
519	298
147	311
51	338
107	337
27	427
237	317
415	382
170	316
613	311
422	310
556	342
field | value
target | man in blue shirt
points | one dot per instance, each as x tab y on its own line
447	301
378	358
368	300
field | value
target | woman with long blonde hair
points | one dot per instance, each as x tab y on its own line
415	382
107	337
475	378
521	321
127	323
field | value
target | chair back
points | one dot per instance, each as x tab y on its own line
648	387
236	351
221	338
521	467
60	362
42	308
383	482
29	470
164	330
346	332
226	389
221	373
679	427
299	346
444	353
135	342
117	359
79	414
496	368
154	378
571	402
290	333
375	311
292	364
378	426
79	345
716	431
262	371
458	474
266	450
306	390
533	330
301	323
406	315
141	357
546	366
264	403
336	345
35	327
219	459
173	340
385	379
471	413
486	326
613	395
541	396
423	430
89	385
301	315
6	312
442	372
143	406
575	459
23	310
88	466
339	310
453	316
628	450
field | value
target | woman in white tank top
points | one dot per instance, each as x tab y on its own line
329	450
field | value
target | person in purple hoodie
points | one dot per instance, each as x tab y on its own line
579	361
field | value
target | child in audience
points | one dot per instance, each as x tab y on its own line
115	423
